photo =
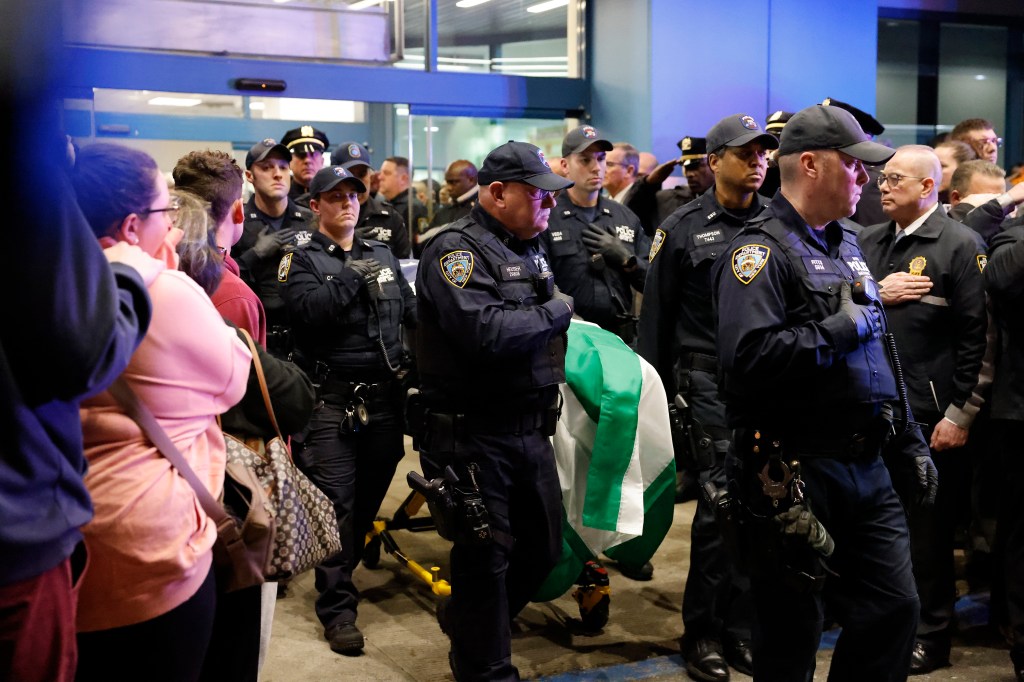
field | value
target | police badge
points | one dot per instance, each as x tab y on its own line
659	240
748	260
917	265
457	266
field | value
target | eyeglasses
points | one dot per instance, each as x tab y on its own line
894	179
537	194
614	163
170	209
997	141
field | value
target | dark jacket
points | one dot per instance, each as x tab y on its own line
601	293
1004	277
942	337
653	205
378	220
67	334
490	338
337	318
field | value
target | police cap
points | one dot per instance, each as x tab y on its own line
349	154
868	123
261	150
582	138
305	139
327	178
736	131
777	121
831	127
694	149
520	162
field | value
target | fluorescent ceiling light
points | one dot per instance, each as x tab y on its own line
401	111
980	77
545	6
431	129
257	106
470	3
363	4
175	101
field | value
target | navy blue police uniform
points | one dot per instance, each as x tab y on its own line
801	387
603	295
677	336
491	353
261	273
378	220
348	338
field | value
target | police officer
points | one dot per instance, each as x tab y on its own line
811	394
491	352
307	146
774	124
274	224
869	207
677	336
377	218
597	248
348	301
652	204
934	293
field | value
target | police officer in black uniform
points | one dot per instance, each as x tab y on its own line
597	248
378	219
652	204
307	146
774	124
812	396
274	224
677	336
348	302
491	352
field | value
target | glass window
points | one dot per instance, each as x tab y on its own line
972	75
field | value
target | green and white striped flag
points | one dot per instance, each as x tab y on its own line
614	453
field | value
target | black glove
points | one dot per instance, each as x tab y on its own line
269	243
367	232
926	480
366	269
559	296
798	523
866	317
609	246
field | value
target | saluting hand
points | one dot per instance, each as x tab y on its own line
900	287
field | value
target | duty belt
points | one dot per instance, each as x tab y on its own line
496	424
700	362
348	389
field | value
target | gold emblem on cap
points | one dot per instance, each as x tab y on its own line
687	144
306	131
917	265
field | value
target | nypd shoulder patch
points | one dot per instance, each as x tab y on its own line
747	261
657	242
284	267
457	266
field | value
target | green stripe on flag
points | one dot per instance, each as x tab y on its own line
659	506
605	376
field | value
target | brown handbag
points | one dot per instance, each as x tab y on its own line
306	523
245	536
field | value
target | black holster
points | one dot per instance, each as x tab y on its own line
456	507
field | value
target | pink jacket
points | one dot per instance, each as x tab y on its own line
150	541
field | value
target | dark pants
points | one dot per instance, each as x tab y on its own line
354	469
37	624
491	584
932	530
234	653
170	647
872	596
1009	602
717	601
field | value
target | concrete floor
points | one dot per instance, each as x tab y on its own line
640	641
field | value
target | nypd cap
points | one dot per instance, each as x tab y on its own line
736	131
305	139
830	127
261	150
777	121
694	150
520	162
868	123
327	178
349	154
582	138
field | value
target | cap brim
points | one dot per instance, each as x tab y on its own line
602	145
331	185
353	163
869	152
306	148
552	182
765	139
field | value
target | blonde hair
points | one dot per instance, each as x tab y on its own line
201	259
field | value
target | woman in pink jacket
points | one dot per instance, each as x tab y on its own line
147	598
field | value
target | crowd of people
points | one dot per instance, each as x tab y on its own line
835	323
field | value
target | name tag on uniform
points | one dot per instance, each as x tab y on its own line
557	236
816	264
858	265
511	272
710	237
625	233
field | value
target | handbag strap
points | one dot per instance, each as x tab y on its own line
263	382
142	416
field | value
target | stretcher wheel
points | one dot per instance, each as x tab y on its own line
596	617
593	595
371	553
